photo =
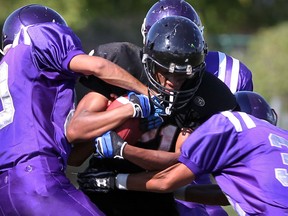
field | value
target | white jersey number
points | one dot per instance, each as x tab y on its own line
280	173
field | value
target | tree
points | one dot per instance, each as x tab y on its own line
267	58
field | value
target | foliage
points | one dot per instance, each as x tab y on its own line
267	58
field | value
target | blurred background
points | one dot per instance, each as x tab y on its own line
254	31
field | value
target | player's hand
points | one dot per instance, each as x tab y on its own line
109	145
157	107
91	180
151	122
141	105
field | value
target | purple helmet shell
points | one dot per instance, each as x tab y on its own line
254	104
164	8
28	15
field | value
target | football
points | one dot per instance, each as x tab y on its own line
129	130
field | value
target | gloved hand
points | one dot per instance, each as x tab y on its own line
141	105
157	107
109	145
91	180
151	122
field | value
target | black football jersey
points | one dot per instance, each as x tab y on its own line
124	54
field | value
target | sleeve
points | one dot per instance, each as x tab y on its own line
54	46
246	78
210	147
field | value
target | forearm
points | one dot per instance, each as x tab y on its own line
150	159
164	181
107	71
94	124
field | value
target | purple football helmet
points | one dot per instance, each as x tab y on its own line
28	15
164	8
254	104
176	48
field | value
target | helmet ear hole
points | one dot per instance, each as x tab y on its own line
28	15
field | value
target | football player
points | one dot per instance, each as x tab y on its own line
246	155
42	60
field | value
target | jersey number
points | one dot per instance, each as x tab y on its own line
7	114
280	173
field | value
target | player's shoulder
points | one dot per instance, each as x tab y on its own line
218	56
48	34
108	50
125	54
241	121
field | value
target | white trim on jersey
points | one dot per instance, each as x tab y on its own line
26	37
222	66
235	75
248	121
235	121
235	71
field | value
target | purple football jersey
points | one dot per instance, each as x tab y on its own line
37	94
238	78
230	70
248	158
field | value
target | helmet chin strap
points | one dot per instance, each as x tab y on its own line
168	109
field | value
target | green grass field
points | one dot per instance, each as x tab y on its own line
230	211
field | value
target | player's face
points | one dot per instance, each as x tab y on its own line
169	80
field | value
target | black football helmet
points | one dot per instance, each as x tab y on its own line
176	46
28	15
254	104
165	8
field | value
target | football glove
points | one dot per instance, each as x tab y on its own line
141	105
157	107
91	181
151	122
109	145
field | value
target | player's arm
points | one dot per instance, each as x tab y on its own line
173	178
150	159
164	181
107	71
155	159
183	135
91	118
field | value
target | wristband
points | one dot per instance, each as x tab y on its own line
121	181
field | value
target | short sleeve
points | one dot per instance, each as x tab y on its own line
210	147
54	46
